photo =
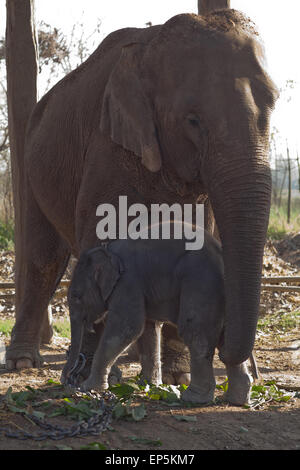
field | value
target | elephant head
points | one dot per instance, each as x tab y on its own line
196	101
94	278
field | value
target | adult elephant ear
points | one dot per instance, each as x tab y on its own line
127	114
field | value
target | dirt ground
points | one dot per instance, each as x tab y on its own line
271	426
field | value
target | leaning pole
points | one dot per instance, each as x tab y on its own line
21	67
205	6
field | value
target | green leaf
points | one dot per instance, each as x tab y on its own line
124	390
138	412
39	414
7	397
243	429
154	396
223	386
15	409
266	393
119	411
94	446
21	397
58	412
168	393
68	400
32	390
53	382
185	418
79	410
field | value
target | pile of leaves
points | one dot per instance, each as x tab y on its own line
50	401
274	265
57	400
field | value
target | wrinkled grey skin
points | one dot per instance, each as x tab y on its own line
175	113
135	284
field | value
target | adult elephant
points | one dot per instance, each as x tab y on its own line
172	113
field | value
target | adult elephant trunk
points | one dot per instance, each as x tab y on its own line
240	198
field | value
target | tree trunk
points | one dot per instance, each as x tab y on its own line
21	64
298	164
289	185
206	6
275	186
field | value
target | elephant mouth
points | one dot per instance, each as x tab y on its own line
90	326
177	185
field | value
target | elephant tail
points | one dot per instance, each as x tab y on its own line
254	368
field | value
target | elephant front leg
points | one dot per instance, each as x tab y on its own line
90	343
149	351
239	384
175	358
202	387
119	333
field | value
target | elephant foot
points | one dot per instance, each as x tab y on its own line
153	379
115	375
175	358
82	375
176	378
194	394
238	396
23	357
176	366
92	384
239	385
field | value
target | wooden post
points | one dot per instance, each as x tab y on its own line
205	6
298	165
289	184
21	65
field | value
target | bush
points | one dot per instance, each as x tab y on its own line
6	236
278	226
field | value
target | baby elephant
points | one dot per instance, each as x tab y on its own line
134	284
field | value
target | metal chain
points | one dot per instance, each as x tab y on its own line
79	365
95	425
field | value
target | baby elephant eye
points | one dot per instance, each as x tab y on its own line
193	120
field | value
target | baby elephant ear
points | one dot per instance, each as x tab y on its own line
127	113
107	270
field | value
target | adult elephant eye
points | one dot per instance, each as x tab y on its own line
193	121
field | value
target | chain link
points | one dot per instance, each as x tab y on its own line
73	376
94	426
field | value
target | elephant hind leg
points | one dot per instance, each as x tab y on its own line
42	263
47	330
149	352
175	357
31	319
